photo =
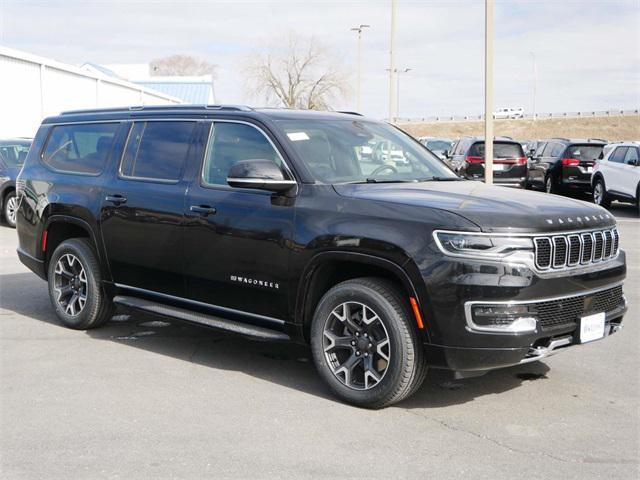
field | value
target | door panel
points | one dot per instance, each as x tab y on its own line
237	242
142	217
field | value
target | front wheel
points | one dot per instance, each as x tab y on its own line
11	209
364	344
75	286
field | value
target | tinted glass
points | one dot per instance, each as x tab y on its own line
438	145
540	149
342	151
584	152
13	155
230	143
548	149
81	148
500	150
618	155
632	156
157	150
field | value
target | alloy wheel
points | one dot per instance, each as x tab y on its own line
12	209
598	193
356	345
70	284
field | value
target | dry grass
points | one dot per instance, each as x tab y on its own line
610	128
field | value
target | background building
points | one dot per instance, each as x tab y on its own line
33	87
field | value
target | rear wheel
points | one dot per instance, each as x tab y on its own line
550	186
600	196
75	287
10	209
364	344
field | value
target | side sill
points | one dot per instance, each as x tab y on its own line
33	264
211	321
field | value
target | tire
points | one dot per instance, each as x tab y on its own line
10	209
600	195
389	380
68	284
550	186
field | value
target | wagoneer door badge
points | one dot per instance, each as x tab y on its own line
254	281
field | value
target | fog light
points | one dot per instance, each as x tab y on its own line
503	318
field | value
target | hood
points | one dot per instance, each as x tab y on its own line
491	208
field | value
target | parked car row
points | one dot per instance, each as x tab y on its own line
557	165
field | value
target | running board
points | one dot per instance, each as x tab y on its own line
219	323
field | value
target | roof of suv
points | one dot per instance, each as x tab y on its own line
163	110
597	141
499	139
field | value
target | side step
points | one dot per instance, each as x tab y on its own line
244	329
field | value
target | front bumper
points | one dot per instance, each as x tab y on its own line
453	285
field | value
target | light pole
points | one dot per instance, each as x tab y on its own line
398	72
359	79
392	63
535	82
488	92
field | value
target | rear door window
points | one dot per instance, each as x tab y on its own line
584	152
618	155
80	148
157	150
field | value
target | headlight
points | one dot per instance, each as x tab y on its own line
473	245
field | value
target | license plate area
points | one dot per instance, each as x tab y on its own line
592	327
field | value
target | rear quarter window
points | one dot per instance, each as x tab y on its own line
80	148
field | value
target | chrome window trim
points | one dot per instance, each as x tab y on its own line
212	122
202	304
469	304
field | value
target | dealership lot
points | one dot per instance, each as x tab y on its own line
144	398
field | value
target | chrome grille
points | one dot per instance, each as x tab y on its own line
561	251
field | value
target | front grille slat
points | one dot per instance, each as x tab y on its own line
572	250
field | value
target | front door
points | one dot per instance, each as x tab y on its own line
142	213
237	241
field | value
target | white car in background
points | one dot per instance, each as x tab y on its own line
509	113
617	175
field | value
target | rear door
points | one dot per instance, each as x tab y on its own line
143	206
631	169
536	172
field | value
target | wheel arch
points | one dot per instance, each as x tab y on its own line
326	269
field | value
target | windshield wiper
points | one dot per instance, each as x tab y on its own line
440	179
375	180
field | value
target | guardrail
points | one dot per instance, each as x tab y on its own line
527	116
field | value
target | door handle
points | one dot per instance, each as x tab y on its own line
116	199
203	209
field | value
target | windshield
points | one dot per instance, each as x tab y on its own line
438	145
350	151
13	155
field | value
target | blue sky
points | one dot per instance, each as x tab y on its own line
587	52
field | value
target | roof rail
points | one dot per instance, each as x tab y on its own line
597	140
560	138
153	108
347	112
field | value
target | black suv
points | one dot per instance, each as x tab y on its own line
509	160
561	165
13	152
275	225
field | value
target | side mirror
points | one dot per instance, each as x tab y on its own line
445	154
259	174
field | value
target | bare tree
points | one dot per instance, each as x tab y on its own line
181	65
302	73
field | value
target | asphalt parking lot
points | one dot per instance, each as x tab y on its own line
142	398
